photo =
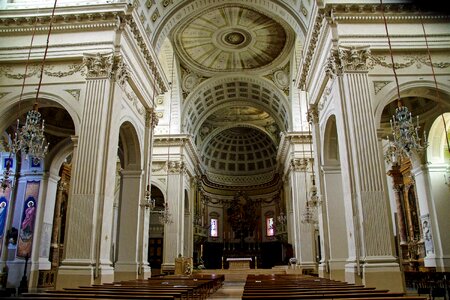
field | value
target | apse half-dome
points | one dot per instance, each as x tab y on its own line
240	151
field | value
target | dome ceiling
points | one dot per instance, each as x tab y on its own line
231	38
240	151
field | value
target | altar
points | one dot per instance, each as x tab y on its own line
238	262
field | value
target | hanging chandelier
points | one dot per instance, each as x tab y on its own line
308	215
405	132
149	202
165	217
30	139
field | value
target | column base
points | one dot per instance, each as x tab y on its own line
75	275
323	270
383	276
337	269
351	273
125	271
146	272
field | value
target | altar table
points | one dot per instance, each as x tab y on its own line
239	262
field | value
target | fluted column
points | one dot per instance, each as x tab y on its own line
173	232
91	197
364	185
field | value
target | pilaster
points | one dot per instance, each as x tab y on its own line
374	243
87	247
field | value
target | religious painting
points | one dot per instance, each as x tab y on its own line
4	200
26	230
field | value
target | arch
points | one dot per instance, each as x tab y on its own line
129	144
330	143
231	88
10	110
422	88
58	156
437	140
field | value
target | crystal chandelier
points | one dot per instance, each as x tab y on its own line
149	202
30	139
165	217
308	215
406	140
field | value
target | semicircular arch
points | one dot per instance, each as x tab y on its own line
254	90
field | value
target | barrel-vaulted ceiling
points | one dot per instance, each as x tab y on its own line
235	70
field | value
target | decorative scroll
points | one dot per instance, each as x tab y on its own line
4	200
26	231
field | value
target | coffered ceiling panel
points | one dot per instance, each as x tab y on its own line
231	38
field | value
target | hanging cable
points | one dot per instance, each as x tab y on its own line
435	83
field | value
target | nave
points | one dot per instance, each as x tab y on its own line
227	284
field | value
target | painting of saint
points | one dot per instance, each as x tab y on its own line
27	228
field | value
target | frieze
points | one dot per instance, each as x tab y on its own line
84	21
34	69
408	61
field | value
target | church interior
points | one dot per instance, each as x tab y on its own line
149	138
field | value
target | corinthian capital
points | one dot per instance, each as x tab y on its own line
354	59
175	167
99	65
299	164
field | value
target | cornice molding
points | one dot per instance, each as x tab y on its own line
362	13
318	24
68	20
